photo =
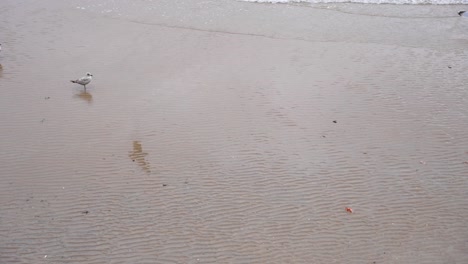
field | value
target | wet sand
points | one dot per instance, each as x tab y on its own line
232	132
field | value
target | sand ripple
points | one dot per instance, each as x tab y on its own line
217	148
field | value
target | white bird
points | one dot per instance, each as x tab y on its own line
84	80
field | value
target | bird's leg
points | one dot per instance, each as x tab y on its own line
84	88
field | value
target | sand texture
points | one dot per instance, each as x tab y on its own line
232	132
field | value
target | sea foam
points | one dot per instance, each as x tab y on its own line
400	2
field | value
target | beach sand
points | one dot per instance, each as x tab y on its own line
232	132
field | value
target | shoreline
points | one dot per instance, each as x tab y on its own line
194	145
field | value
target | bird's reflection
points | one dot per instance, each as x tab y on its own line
137	155
1	71
85	96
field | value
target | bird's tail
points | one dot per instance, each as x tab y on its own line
73	81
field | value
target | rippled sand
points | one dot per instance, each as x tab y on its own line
231	132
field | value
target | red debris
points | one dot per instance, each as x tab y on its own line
349	210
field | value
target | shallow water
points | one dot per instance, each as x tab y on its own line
231	142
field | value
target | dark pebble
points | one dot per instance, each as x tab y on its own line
334	121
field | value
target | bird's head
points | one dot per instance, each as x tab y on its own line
88	74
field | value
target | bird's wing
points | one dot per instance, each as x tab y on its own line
85	79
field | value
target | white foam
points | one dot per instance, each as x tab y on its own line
401	2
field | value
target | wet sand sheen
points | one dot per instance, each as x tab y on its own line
198	146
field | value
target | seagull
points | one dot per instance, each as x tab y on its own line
462	13
84	80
